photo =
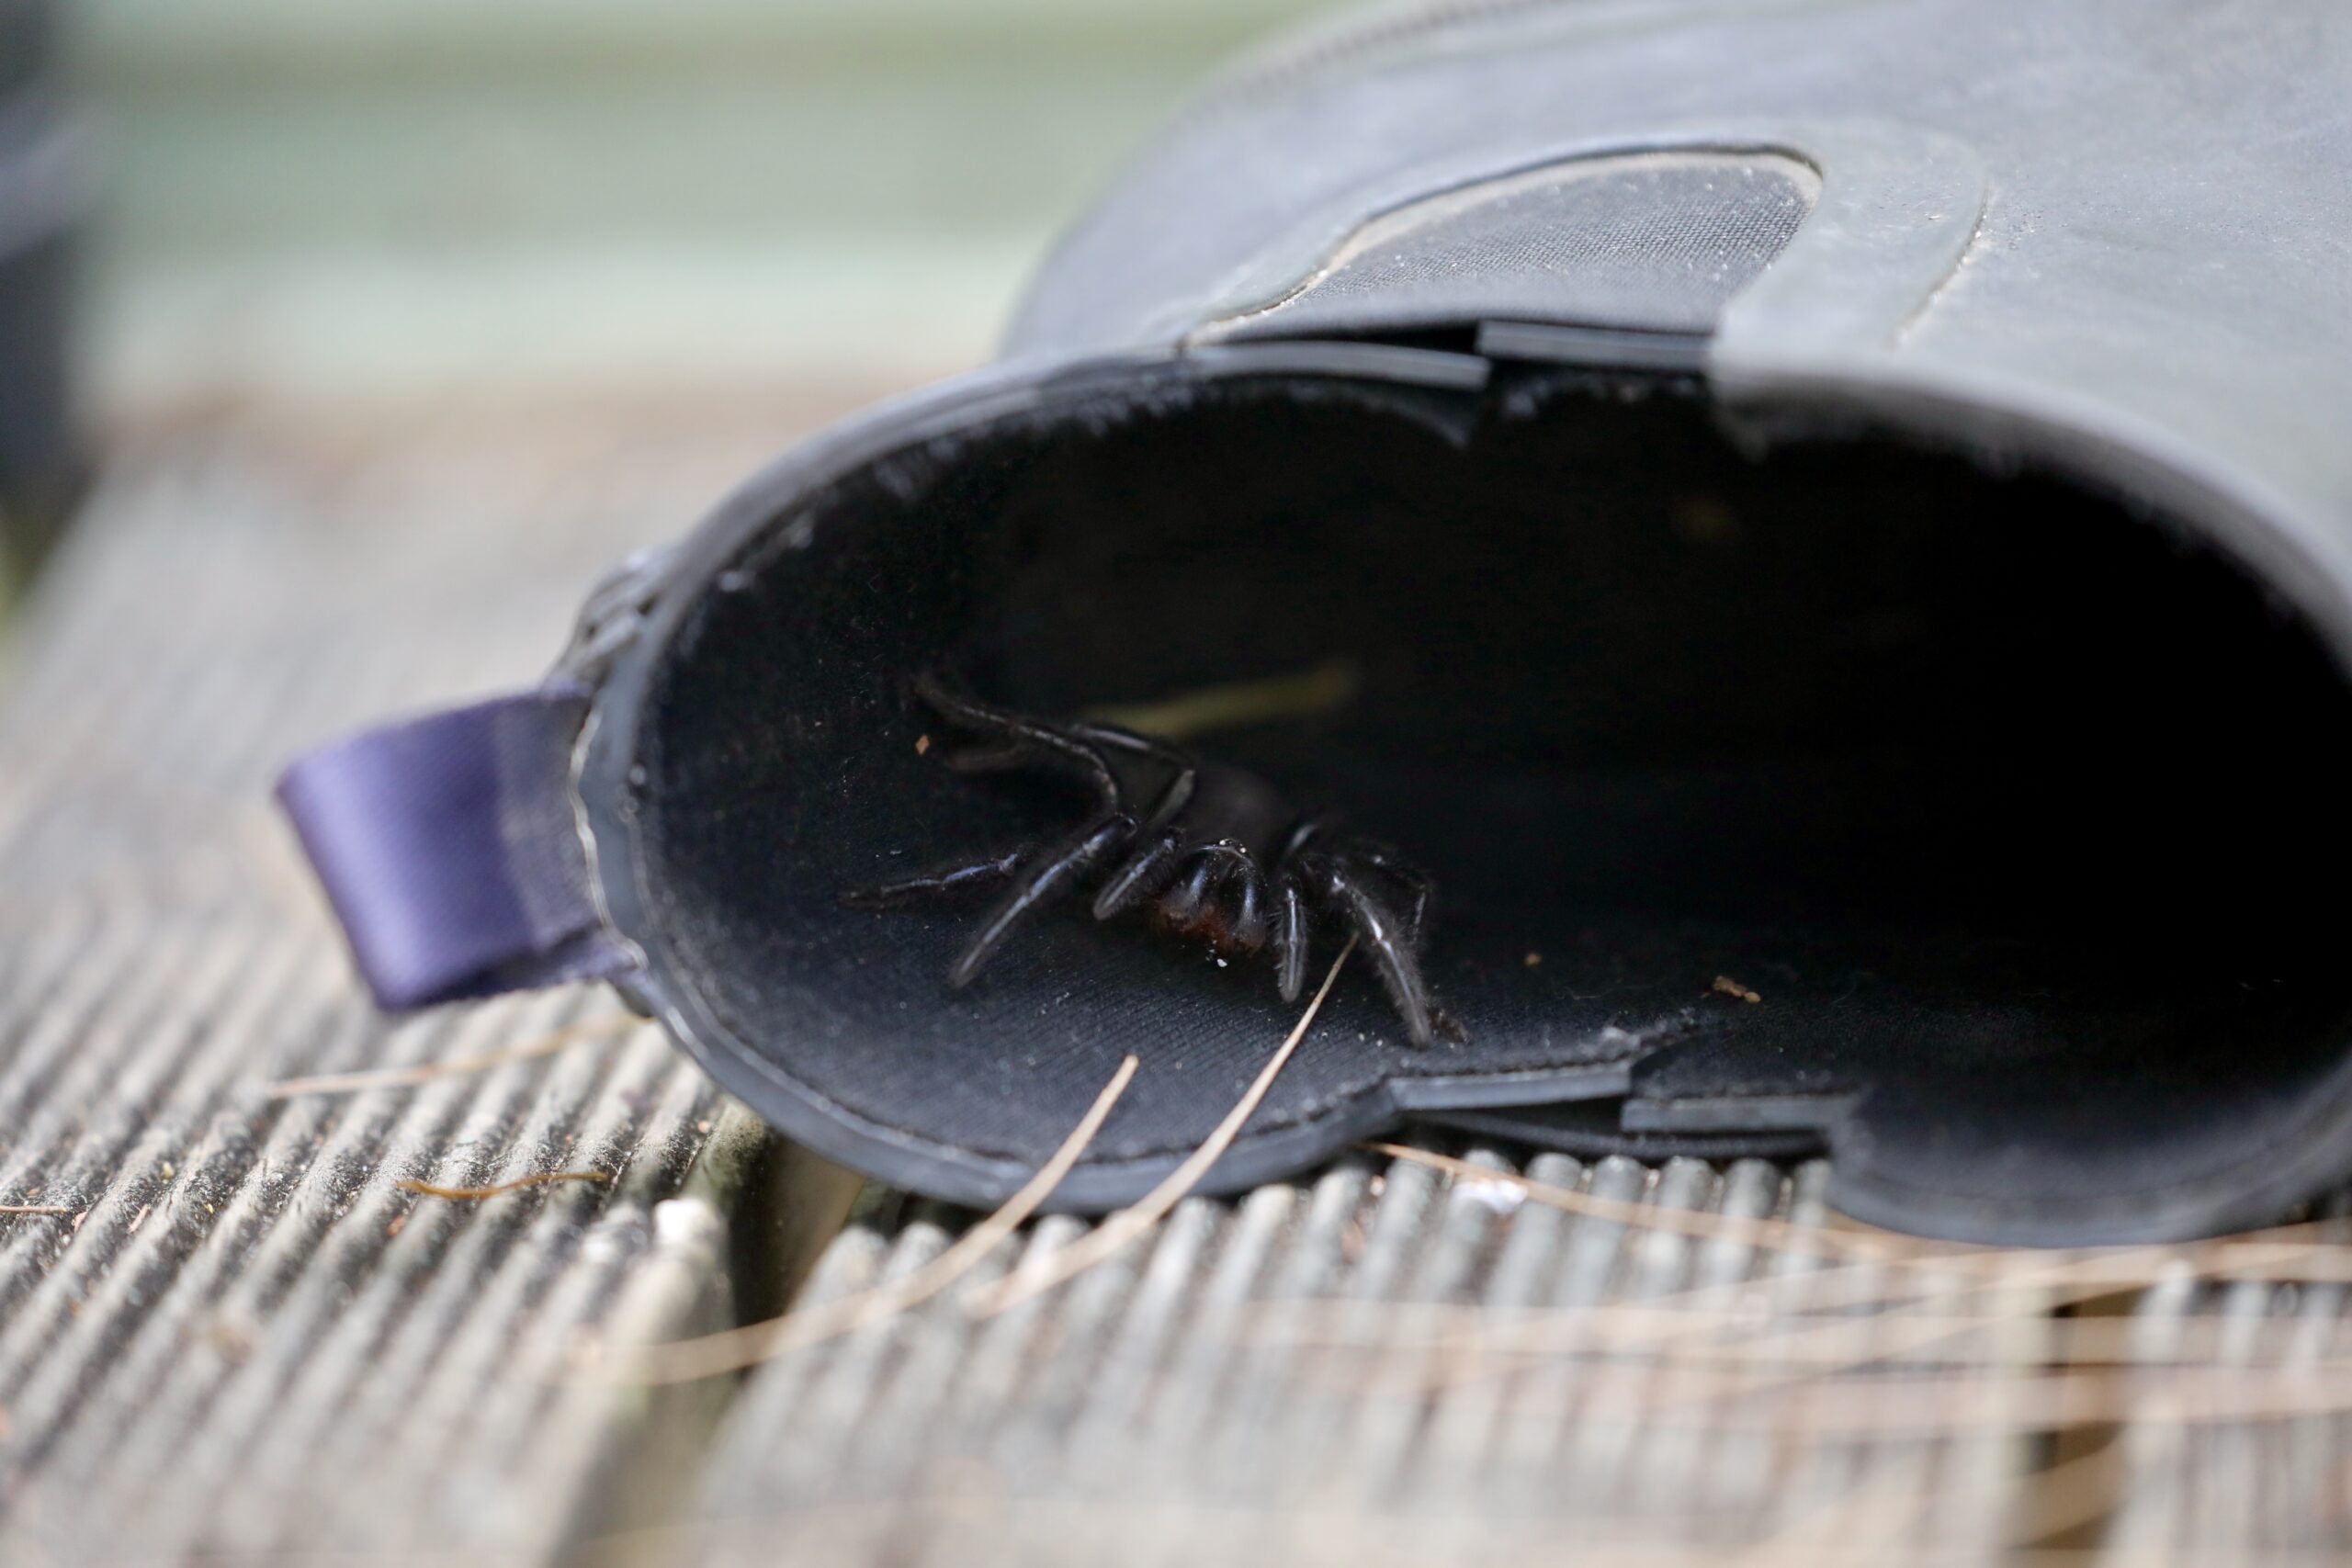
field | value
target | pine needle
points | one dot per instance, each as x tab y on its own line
456	1066
732	1349
1307	694
466	1194
1129	1222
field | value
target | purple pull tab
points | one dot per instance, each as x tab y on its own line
449	849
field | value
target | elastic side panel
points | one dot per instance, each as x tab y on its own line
1650	241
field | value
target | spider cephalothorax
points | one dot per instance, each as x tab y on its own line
1210	852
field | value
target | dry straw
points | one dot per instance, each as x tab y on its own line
734	1349
456	1066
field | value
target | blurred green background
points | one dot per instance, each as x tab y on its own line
359	200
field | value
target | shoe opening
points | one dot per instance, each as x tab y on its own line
1856	715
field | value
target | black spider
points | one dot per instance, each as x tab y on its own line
1214	852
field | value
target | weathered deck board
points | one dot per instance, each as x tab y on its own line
1154	1410
243	1339
1251	1385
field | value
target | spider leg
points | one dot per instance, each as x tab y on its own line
1194	881
1292	926
1149	869
1417	884
1290	932
1143	745
942	884
1017	740
1144	873
998	758
1185	772
1386	938
1040	883
1249	885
